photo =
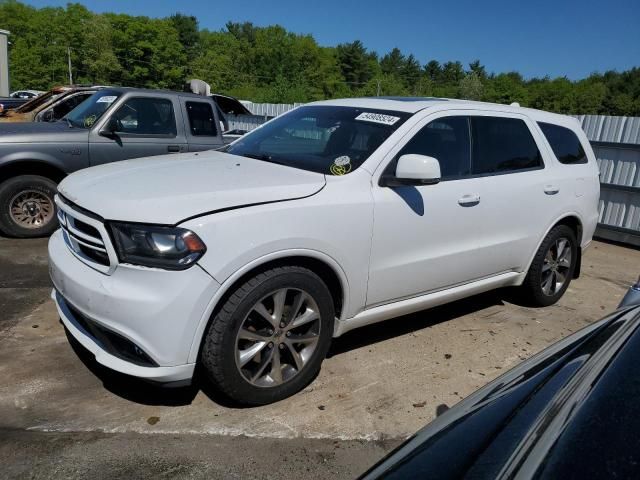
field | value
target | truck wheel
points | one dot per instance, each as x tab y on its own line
552	268
270	336
27	208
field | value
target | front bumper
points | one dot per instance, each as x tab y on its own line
150	311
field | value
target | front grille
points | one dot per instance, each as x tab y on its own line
86	228
110	341
83	236
96	255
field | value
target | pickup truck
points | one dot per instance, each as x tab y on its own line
113	124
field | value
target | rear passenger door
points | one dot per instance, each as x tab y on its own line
514	190
201	124
482	219
146	126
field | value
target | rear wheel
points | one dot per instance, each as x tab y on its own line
552	268
269	338
27	208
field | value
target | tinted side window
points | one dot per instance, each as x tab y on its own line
502	145
447	140
201	119
564	143
146	116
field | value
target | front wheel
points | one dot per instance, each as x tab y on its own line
27	208
269	338
552	268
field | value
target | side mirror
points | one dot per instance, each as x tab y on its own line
110	128
413	169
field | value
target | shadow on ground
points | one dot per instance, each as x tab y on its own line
379	332
147	393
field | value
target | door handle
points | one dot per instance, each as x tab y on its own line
469	200
173	148
551	189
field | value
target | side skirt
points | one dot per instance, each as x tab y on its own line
433	299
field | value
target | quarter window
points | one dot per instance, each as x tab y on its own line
447	140
201	119
146	116
565	144
502	145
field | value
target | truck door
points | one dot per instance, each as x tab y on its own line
143	125
201	124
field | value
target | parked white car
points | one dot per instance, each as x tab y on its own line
335	215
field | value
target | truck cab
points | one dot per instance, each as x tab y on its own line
113	124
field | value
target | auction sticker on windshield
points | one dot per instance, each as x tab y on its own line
377	118
107	99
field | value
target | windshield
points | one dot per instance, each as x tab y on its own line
89	111
323	139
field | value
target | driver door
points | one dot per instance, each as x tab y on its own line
146	126
429	237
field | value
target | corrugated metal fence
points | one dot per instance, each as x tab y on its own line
615	141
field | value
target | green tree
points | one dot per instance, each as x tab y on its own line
471	87
354	62
188	33
270	63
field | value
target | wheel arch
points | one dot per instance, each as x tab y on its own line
573	221
31	167
321	264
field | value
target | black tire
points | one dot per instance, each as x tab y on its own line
532	289
38	185
218	354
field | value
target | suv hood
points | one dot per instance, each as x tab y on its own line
169	189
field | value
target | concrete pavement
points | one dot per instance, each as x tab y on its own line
380	384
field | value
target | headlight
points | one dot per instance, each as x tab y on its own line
172	248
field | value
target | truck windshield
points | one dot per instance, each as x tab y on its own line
89	111
325	139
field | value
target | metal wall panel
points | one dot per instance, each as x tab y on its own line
620	209
270	109
602	128
245	122
618	166
616	143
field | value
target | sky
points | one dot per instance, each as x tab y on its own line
536	38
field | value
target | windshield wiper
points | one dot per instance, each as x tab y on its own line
68	122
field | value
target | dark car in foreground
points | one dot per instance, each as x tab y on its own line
571	411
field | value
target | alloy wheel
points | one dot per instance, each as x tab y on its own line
278	337
556	266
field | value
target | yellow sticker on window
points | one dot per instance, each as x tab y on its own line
340	166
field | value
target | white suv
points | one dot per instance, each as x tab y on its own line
335	215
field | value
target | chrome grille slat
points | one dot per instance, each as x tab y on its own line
82	235
81	243
88	245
